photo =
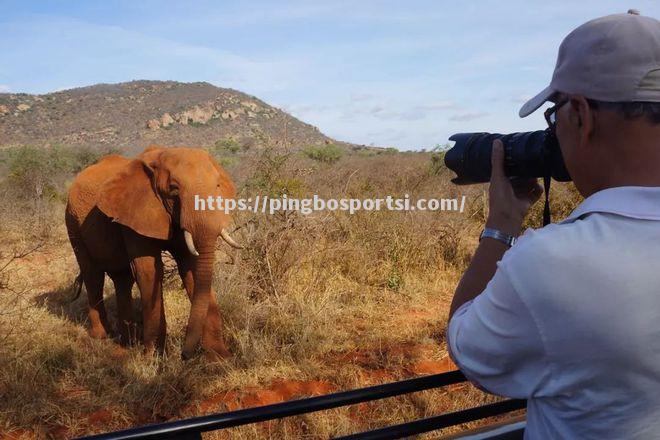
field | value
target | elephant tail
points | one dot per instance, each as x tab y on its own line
77	287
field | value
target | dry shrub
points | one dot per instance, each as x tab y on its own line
329	296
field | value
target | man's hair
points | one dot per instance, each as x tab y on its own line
631	110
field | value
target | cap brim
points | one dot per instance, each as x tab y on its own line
533	104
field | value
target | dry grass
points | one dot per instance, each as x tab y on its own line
316	303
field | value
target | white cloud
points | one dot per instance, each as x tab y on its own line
303	110
360	97
520	99
4	88
130	54
387	135
393	112
435	106
465	117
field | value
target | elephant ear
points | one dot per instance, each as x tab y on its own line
151	153
129	198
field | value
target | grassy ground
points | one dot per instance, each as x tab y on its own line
314	304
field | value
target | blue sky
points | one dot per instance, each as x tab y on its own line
390	73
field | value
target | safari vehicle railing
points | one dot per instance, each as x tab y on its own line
192	428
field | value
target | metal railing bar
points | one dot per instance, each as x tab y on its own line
492	430
438	422
284	409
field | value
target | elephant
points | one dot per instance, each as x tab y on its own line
122	213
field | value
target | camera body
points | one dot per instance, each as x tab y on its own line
531	154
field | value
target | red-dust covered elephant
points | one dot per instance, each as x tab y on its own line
121	213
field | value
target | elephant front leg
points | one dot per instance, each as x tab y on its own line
213	336
148	272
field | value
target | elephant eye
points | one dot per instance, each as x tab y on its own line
174	189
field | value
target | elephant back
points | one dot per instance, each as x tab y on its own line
85	189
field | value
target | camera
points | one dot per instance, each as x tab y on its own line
531	154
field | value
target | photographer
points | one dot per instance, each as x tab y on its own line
569	316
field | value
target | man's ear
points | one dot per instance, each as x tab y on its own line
584	118
129	198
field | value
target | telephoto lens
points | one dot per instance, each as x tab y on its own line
531	154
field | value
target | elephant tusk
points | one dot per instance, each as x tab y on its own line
230	241
190	243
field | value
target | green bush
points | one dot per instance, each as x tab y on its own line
38	172
224	151
272	177
374	151
438	158
365	152
227	161
290	186
329	153
195	123
227	146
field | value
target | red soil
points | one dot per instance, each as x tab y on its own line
277	391
414	359
17	434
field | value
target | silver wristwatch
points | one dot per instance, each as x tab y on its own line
505	238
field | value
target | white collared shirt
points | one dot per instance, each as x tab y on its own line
571	322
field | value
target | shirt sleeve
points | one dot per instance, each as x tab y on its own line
496	343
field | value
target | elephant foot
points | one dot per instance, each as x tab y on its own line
214	356
212	353
153	350
128	334
216	351
98	332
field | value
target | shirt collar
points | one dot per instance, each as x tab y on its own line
640	202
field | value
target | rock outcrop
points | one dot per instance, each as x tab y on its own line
207	112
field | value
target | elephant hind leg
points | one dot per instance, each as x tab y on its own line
98	318
92	278
126	326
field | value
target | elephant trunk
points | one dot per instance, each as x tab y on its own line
203	289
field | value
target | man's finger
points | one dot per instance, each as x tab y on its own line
518	182
497	161
537	190
531	191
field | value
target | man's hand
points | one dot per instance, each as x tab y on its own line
509	200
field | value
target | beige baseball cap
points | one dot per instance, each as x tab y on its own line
615	58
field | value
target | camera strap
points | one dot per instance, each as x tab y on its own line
546	208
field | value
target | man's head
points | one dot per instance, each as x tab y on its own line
607	86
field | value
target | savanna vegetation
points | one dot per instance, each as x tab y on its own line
313	304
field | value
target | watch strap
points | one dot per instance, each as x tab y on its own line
505	238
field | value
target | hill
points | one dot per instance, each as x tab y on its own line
134	114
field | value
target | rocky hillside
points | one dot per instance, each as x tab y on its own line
132	115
